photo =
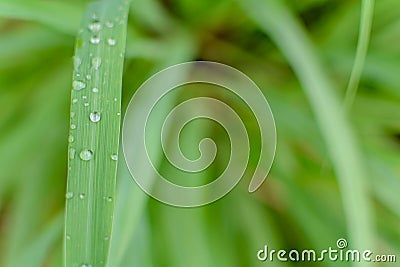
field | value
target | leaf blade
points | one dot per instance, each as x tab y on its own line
94	133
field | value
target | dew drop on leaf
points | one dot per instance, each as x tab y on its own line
71	153
94	26
111	41
109	24
94	116
95	39
96	62
77	62
78	85
86	155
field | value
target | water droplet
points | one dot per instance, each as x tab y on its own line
89	77
86	104
68	237
115	99
118	113
95	90
74	100
82	196
114	157
95	26
95	116
69	195
73	126
77	62
72	114
71	153
96	62
95	39
106	238
84	97
86	154
71	139
111	41
86	265
109	24
78	85
109	199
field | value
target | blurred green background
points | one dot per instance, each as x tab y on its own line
301	205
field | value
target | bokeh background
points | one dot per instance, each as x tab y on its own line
301	205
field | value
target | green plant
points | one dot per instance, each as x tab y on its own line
336	130
300	53
367	12
94	133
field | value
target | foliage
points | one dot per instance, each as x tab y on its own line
335	175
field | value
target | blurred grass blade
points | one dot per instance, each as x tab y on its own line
63	16
34	255
130	203
275	18
152	13
17	44
367	13
94	134
131	200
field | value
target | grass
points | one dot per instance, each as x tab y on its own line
64	17
367	12
94	133
336	173
335	128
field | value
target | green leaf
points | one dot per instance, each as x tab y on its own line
367	13
61	16
35	253
130	203
94	133
275	18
